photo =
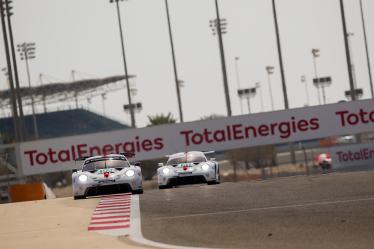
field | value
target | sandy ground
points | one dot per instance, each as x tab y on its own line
58	223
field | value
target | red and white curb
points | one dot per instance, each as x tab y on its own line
119	215
112	215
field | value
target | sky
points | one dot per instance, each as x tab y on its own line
83	35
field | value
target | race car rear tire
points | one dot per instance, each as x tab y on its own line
217	181
137	192
79	197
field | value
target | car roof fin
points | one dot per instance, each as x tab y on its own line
208	152
128	154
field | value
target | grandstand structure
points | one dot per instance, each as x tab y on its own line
55	92
62	123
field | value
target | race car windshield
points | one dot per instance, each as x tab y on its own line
191	158
101	163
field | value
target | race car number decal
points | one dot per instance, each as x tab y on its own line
185	165
102	171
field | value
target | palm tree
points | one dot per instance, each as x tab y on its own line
160	119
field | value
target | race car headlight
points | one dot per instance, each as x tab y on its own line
130	173
205	166
166	171
83	178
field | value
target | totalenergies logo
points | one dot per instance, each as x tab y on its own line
52	156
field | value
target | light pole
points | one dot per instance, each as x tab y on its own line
43	98
88	103
177	86
217	27
353	69
270	71
4	70
130	105
347	53
247	93
284	87
13	101
238	82
136	107
358	92
320	82
303	81
258	86
315	53
367	49
14	62
103	98
75	93
27	52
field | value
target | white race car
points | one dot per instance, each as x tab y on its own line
186	168
324	161
106	175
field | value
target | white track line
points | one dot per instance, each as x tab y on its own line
319	203
136	229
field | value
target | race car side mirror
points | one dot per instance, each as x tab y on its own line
160	164
137	163
74	170
212	159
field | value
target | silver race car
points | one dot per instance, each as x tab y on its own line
188	168
106	175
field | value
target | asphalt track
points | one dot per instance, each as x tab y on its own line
326	211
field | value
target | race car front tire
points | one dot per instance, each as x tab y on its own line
137	192
214	182
79	197
164	186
